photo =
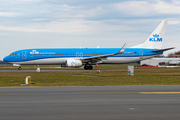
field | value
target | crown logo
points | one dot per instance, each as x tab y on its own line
156	36
34	52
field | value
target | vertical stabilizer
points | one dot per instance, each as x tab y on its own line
156	37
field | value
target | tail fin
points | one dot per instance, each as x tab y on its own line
156	37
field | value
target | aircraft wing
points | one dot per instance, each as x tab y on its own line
99	58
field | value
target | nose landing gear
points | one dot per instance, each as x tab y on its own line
19	68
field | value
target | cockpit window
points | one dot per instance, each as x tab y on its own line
12	54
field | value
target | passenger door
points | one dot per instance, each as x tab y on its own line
24	55
141	54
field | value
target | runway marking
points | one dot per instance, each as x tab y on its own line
159	92
64	93
88	93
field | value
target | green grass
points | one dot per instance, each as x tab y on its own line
55	67
92	78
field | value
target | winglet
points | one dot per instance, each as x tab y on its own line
122	49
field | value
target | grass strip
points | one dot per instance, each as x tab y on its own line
92	78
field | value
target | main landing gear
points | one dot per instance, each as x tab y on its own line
19	68
89	67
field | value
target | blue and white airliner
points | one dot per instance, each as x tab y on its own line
79	57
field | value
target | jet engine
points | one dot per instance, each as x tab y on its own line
74	63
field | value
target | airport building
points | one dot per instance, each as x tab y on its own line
4	63
161	62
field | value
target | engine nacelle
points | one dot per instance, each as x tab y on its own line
74	63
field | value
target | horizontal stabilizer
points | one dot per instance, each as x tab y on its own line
162	50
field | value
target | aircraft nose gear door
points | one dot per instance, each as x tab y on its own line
24	55
141	54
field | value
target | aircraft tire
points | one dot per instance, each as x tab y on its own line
90	67
86	67
19	68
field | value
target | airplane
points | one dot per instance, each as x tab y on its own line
87	57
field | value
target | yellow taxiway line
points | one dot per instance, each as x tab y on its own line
159	92
89	93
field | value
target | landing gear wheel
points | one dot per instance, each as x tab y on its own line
88	67
19	68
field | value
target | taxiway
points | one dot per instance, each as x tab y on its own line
90	103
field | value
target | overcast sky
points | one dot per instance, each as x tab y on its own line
85	23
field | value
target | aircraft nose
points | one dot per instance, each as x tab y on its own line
6	59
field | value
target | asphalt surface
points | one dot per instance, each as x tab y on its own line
90	103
